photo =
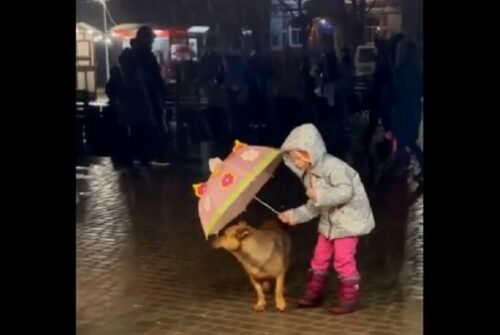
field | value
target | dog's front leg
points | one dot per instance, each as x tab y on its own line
280	293
261	298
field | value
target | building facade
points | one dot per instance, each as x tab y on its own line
282	34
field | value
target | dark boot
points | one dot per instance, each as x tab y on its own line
313	296
348	297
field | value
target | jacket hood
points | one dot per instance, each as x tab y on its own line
305	137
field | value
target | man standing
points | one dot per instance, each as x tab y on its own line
137	92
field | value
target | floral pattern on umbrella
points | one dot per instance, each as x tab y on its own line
227	180
250	155
200	189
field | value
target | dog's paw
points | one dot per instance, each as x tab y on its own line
259	306
281	305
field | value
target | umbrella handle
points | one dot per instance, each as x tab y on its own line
266	205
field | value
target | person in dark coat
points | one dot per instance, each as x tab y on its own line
211	79
383	84
137	91
330	128
382	91
381	104
345	85
257	75
210	68
328	70
347	73
236	89
407	111
393	47
344	90
307	85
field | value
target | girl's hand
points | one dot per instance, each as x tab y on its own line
311	191
288	218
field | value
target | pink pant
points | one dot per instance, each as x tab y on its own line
343	251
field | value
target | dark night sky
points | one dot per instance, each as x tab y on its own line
226	17
157	12
124	11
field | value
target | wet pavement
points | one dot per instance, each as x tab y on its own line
144	266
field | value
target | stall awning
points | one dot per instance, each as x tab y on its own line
129	30
198	29
87	28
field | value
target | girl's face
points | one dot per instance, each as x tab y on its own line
299	160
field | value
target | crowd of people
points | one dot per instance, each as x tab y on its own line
241	93
396	97
137	93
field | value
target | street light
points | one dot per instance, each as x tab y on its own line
106	44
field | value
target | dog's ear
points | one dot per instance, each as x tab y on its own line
242	233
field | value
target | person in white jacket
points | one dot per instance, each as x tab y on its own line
338	196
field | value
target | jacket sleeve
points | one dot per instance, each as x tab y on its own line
337	191
306	212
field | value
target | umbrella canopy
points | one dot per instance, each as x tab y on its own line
233	184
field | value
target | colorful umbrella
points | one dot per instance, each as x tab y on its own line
233	184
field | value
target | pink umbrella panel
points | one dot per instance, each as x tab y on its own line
233	184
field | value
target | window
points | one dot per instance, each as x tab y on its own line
295	39
83	49
275	42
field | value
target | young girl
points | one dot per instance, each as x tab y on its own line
335	193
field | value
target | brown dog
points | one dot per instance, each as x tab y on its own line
264	253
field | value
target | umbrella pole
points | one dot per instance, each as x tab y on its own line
267	206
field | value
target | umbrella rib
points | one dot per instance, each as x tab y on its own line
266	205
